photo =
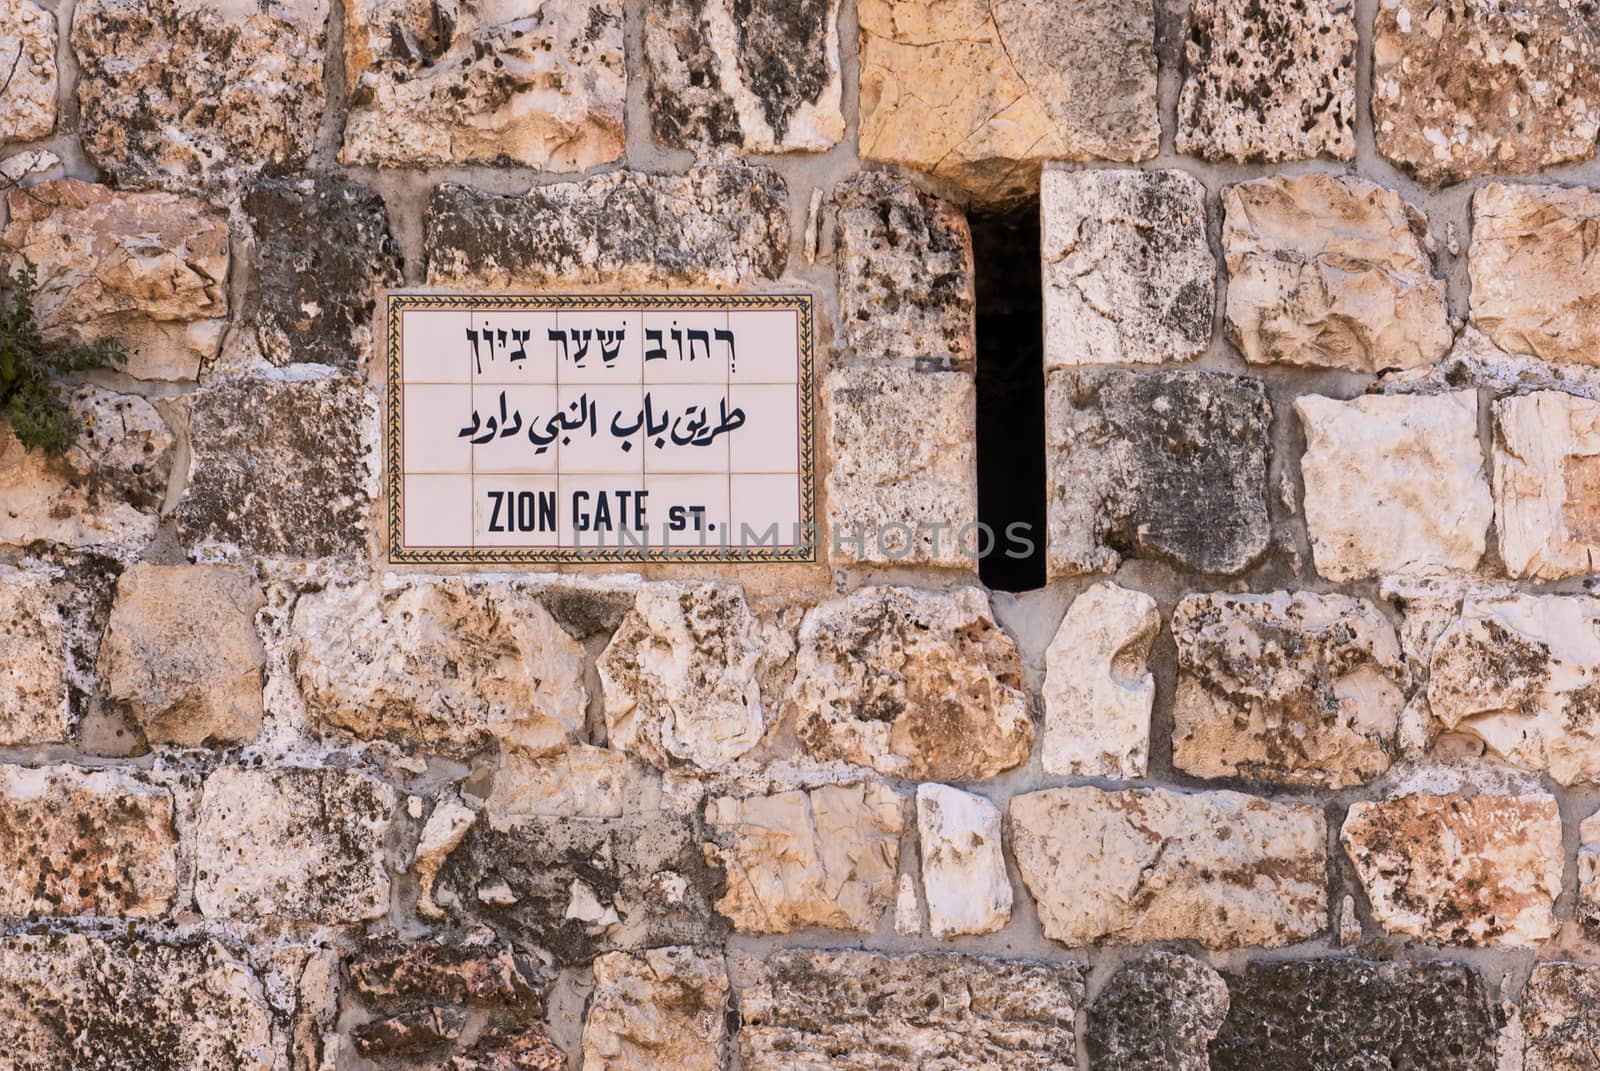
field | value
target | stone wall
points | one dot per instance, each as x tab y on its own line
1293	764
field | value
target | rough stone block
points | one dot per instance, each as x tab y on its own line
1588	907
1128	274
1299	689
536	85
1157	1013
1332	272
1394	484
1098	689
80	842
1560	1024
183	93
979	95
292	843
28	102
903	479
580	782
323	251
931	1011
1472	87
35	704
721	226
1269	81
148	269
1547	484
1169	465
963	865
450	665
1221	868
279	467
665	1008
915	684
905	272
759	75
1481	870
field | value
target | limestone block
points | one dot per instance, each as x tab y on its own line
915	684
323	251
1588	907
181	651
449	665
1331	272
70	1000
979	95
1157	1013
1559	1020
680	676
580	782
716	226
666	1007
292	843
823	857
1394	484
430	85
1288	688
104	491
760	76
185	93
81	842
28	102
1269	81
1534	289
1098	689
963	866
903	482
278	467
1221	868
474	970
1484	870
148	269
905	272
1472	87
1128	275
932	1011
1547	484
1169	465
35	703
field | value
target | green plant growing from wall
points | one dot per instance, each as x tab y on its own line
30	365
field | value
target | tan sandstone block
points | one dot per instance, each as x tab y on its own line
1547	484
28	40
663	1008
1098	689
34	699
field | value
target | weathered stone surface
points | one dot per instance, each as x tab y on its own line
80	842
1157	1013
1330	271
511	1048
903	483
1169	465
149	269
1332	1014
1269	81
963	866
905	272
449	664
323	250
104	491
401	973
1547	484
28	102
1471	87
722	226
183	93
1128	274
761	75
1290	688
67	1000
580	782
1484	870
1098	689
823	857
1221	868
665	1008
681	676
278	466
979	95
1534	289
34	700
181	651
292	843
915	684
1588	907
430	85
931	1011
1394	484
1559	1021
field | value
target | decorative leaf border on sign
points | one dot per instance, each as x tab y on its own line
396	303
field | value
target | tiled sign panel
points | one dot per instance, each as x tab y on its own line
599	428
